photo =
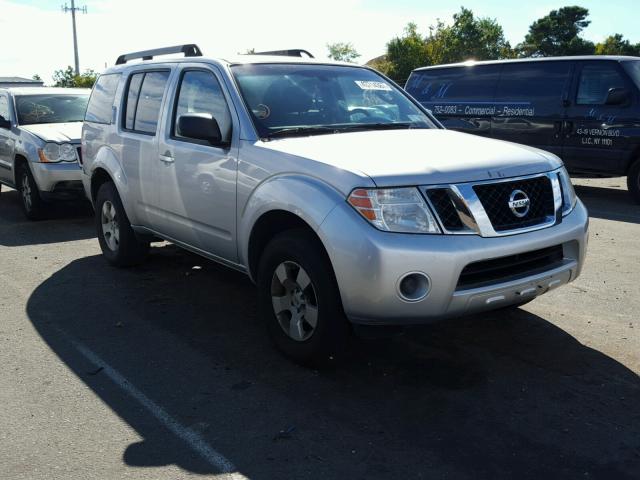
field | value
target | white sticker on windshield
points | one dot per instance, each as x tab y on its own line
369	85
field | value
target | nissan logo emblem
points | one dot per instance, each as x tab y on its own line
519	203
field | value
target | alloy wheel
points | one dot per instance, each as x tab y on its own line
110	227
294	301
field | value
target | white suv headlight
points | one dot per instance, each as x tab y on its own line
401	210
569	197
55	152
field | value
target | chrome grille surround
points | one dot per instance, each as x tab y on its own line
473	215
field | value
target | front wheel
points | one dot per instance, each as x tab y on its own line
300	301
633	181
118	241
32	204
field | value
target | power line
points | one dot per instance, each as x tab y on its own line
73	9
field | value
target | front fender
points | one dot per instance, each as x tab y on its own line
307	197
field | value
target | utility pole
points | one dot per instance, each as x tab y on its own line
73	9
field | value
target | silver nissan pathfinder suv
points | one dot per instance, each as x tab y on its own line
341	197
40	144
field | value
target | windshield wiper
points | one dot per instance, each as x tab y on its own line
381	126
293	131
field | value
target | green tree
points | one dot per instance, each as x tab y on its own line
36	77
67	78
342	52
558	34
617	45
466	38
406	53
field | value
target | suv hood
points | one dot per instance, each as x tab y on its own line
419	157
56	132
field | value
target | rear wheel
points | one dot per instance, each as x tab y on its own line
32	204
633	181
118	241
299	300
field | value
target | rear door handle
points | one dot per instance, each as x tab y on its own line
568	129
166	158
557	128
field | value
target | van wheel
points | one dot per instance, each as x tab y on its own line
633	181
32	204
118	241
299	300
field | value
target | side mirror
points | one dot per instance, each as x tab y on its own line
617	96
200	126
4	123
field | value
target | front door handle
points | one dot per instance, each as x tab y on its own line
166	158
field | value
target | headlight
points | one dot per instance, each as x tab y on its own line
54	152
569	197
401	210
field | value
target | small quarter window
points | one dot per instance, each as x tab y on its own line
100	105
143	101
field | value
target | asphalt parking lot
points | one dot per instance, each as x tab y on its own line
164	371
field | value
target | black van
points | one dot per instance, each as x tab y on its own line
585	109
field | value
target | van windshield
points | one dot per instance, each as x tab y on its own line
52	108
633	69
302	99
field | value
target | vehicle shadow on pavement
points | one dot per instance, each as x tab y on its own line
609	203
65	221
500	395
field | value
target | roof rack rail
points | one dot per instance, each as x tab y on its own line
189	50
294	52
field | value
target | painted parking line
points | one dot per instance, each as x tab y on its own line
193	439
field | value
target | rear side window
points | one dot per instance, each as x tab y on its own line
143	101
100	105
460	84
200	92
4	107
539	86
595	82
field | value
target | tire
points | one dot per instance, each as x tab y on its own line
633	181
119	243
32	204
295	276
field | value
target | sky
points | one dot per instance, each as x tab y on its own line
40	38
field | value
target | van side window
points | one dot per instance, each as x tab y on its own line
595	82
539	85
200	92
474	83
4	107
99	109
144	98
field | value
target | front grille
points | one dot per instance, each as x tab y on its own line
495	200
502	269
445	209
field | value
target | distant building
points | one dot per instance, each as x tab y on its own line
6	82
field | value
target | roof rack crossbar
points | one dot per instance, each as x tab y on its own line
189	50
294	52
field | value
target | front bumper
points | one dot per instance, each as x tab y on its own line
368	264
58	180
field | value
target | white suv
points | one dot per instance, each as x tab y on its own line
40	144
335	191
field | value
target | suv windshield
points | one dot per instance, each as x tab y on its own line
290	99
53	108
633	69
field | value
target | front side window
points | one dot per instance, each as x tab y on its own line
314	99
633	69
51	108
200	92
100	105
143	102
595	82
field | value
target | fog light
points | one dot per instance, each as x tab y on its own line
413	286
